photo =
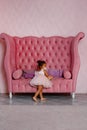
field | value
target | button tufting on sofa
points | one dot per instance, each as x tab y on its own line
58	52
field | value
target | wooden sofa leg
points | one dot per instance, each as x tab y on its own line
73	95
10	95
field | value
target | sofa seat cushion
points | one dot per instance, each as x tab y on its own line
59	85
21	85
62	85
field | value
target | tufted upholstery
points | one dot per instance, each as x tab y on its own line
30	49
58	52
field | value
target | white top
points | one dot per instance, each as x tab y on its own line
39	72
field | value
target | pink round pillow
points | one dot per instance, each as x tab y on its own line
67	74
17	74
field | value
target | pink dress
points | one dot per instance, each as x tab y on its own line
40	79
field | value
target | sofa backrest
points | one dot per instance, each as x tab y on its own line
56	51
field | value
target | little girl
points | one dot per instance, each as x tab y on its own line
41	80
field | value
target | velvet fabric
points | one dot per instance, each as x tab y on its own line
60	53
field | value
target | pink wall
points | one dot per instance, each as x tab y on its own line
45	18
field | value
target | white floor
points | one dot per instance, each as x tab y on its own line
21	113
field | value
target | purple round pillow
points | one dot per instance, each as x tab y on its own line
67	74
17	74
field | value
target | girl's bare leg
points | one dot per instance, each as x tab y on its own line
37	93
41	95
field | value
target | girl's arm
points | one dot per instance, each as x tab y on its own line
48	76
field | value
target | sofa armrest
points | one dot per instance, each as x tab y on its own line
5	39
75	57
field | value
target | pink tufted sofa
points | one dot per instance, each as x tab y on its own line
59	53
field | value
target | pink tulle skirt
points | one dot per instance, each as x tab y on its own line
41	80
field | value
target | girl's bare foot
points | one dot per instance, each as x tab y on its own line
35	99
43	99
